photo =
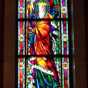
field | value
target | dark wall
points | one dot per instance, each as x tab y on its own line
9	44
86	34
80	44
1	40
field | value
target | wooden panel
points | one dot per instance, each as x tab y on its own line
9	44
80	45
1	41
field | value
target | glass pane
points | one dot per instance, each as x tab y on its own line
64	33
21	38
37	9
46	37
37	38
43	72
64	9
21	72
42	39
65	72
55	37
21	8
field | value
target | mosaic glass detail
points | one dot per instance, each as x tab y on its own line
43	44
64	9
21	38
65	72
45	37
38	38
21	72
55	37
37	9
64	33
21	9
42	72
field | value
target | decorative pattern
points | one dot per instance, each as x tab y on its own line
21	9
43	44
21	38
37	9
64	9
21	72
43	72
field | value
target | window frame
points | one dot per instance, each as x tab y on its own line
9	45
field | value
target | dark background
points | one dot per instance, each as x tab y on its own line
7	43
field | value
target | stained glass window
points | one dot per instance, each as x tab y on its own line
44	47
